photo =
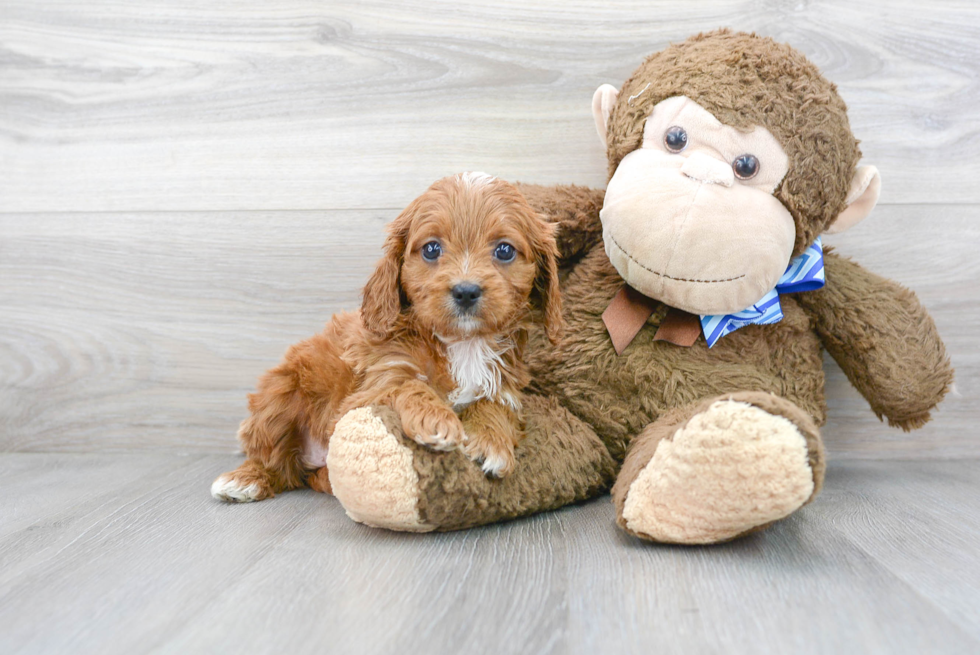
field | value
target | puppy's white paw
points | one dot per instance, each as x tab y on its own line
230	490
496	460
496	465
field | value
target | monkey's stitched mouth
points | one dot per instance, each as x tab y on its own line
664	275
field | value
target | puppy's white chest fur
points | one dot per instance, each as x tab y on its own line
475	365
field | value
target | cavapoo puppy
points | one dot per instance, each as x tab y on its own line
439	338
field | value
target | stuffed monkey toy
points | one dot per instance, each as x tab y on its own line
698	300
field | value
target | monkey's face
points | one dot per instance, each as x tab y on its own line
690	218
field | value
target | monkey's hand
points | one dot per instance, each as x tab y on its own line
883	339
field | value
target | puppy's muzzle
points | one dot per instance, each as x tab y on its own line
466	295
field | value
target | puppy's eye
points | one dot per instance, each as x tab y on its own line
675	138
505	252
431	251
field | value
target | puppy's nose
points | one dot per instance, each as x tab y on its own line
466	294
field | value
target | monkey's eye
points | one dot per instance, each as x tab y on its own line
505	252
431	251
675	138
746	167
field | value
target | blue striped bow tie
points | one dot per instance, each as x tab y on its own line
804	273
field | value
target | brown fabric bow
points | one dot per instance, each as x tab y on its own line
629	311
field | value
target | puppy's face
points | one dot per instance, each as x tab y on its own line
469	253
469	265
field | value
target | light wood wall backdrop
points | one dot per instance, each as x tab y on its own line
187	187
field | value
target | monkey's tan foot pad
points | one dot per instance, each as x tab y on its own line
372	473
384	480
730	469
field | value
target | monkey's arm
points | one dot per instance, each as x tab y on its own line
574	208
884	340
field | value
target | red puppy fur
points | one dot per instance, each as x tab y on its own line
439	338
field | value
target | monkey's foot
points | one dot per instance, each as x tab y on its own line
385	480
715	471
372	473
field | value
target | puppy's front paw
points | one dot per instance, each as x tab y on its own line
436	427
495	456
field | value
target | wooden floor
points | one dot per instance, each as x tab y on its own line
188	187
129	553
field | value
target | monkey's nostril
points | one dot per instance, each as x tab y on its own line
466	294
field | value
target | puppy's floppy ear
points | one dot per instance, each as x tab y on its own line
546	283
383	298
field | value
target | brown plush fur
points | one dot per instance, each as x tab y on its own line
877	331
884	340
396	351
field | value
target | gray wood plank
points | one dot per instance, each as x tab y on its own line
883	562
130	332
799	587
371	591
113	573
924	248
161	322
168	105
921	520
38	484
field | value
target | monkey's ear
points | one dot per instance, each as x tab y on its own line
382	301
603	102
861	199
